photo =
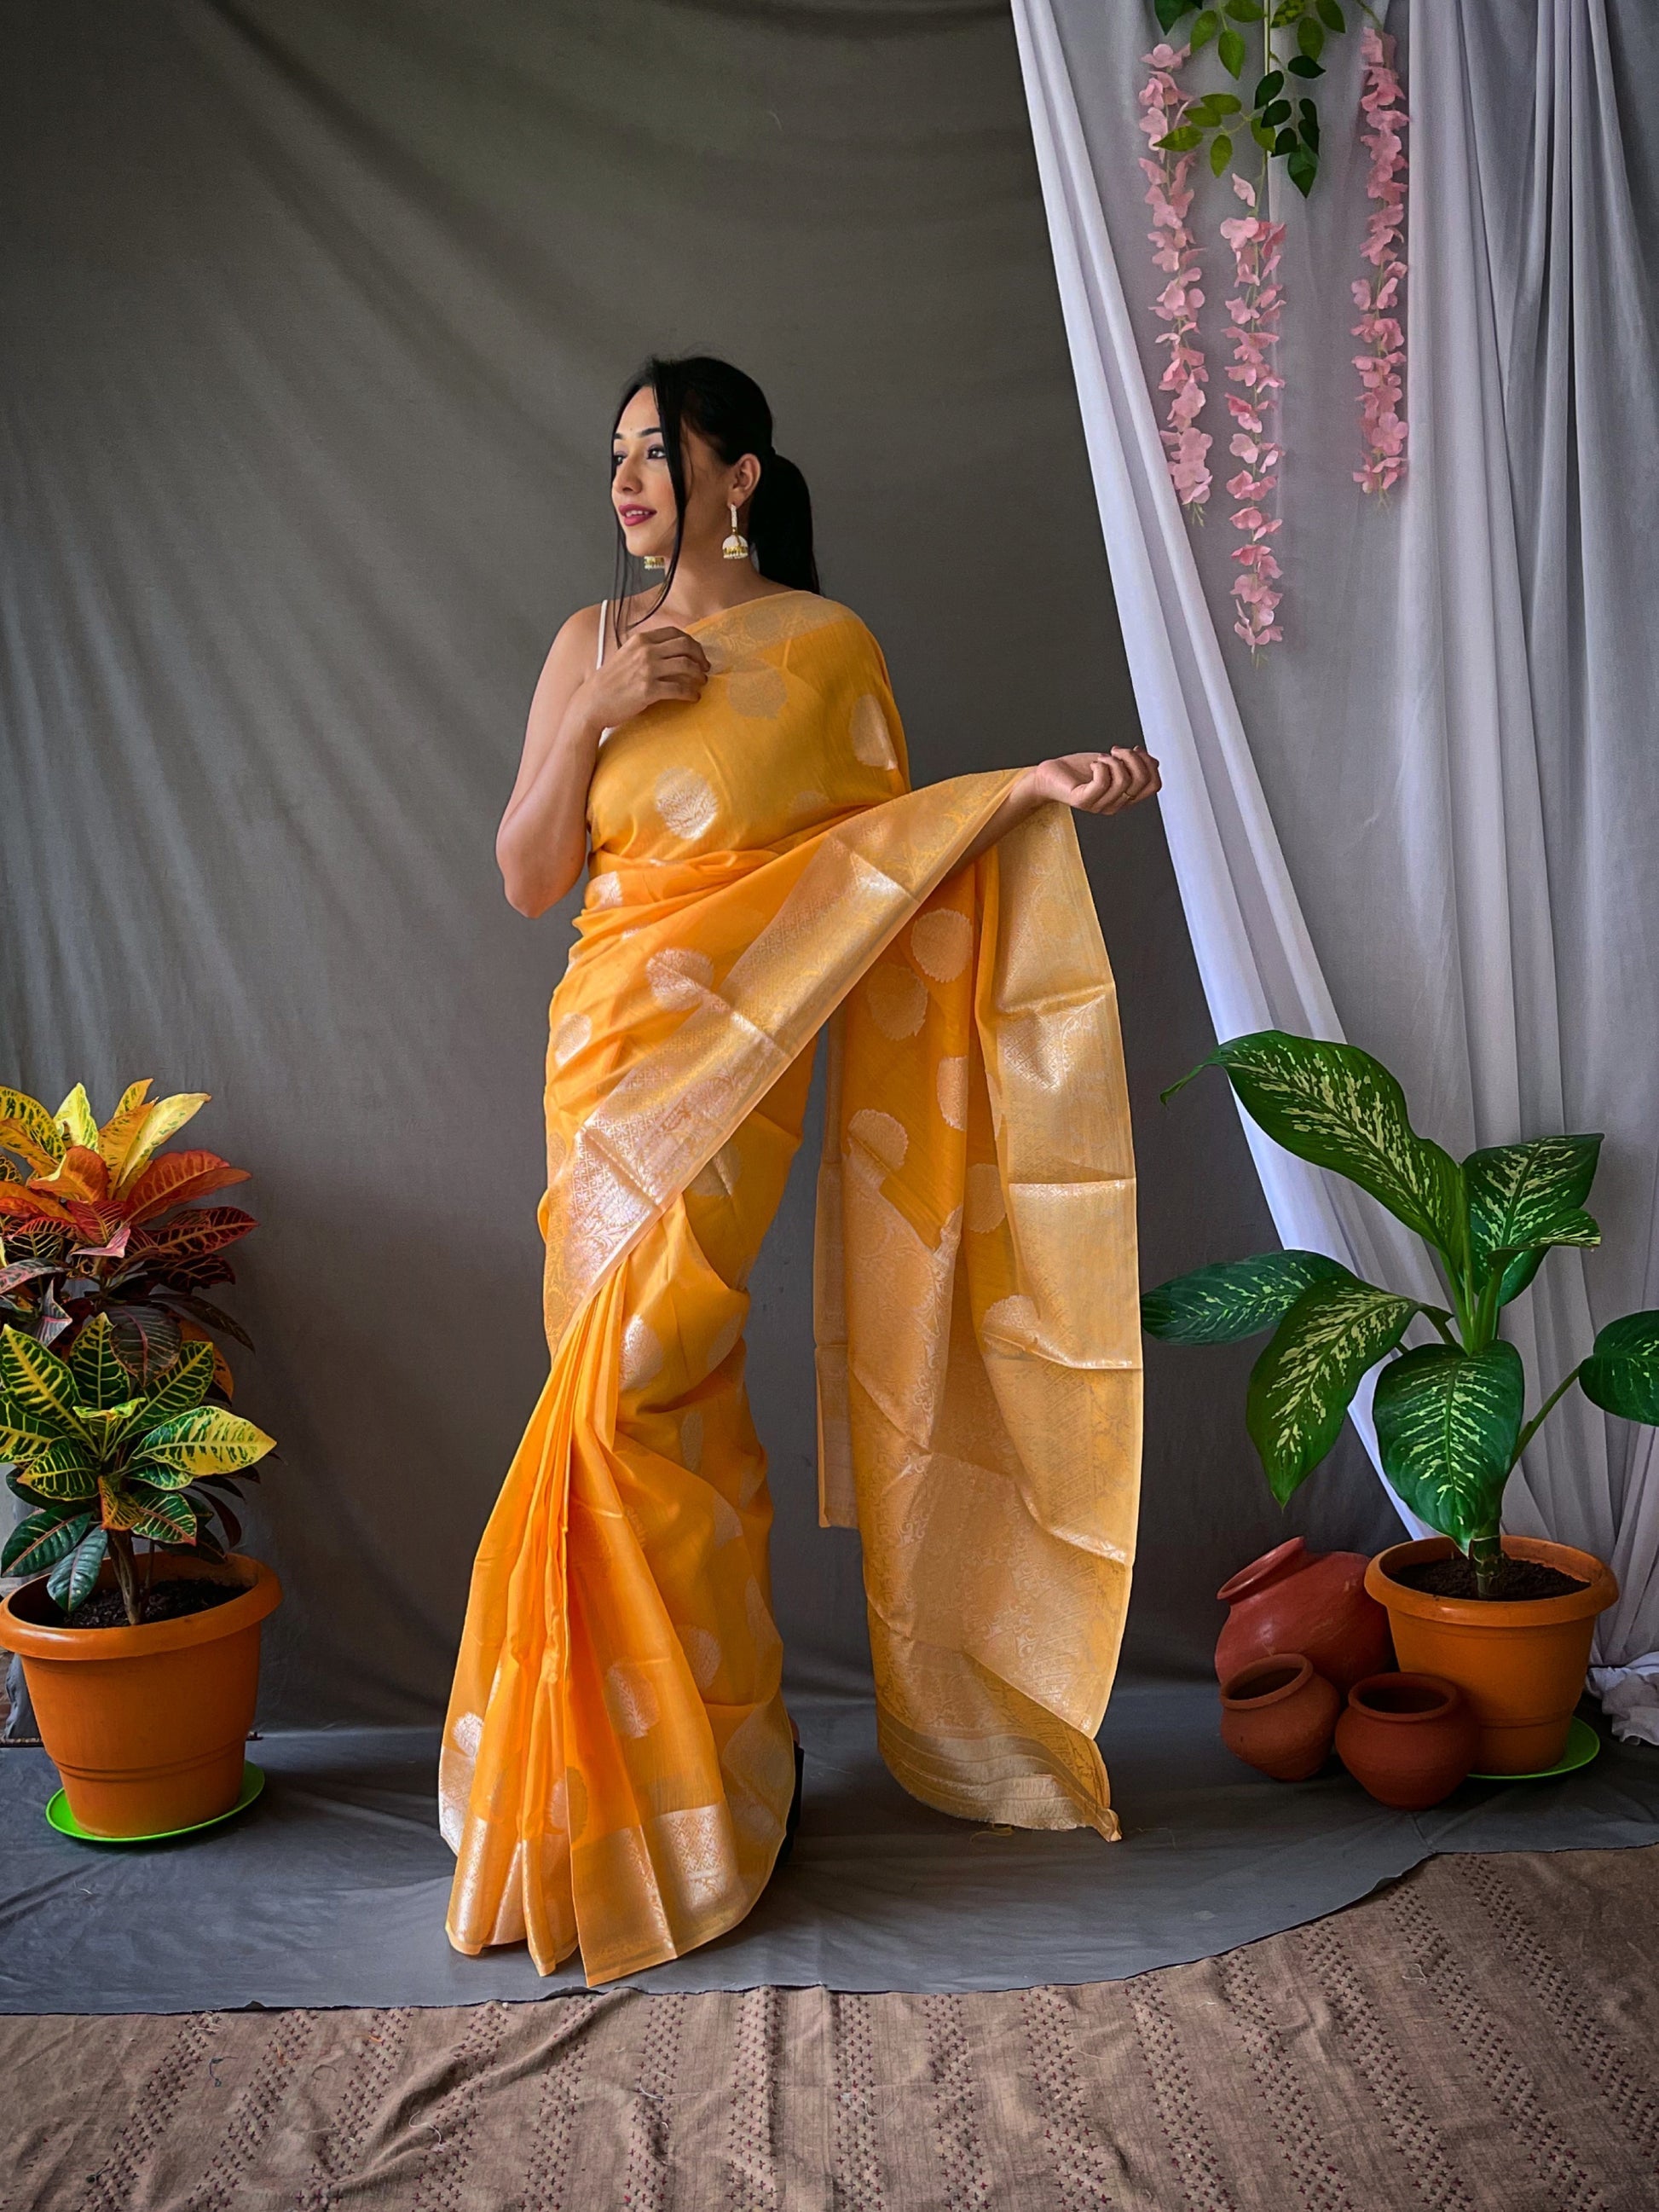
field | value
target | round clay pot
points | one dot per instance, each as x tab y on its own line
145	1725
1278	1715
1521	1664
1408	1739
1314	1603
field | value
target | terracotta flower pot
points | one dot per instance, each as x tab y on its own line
1520	1663
1278	1715
1314	1603
1409	1739
145	1725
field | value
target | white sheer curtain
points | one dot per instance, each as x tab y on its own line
1428	822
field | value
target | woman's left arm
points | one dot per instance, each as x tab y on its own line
1093	783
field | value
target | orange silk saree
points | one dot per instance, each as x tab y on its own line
617	1764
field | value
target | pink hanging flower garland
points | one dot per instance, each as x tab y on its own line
1254	309
1382	414
1169	196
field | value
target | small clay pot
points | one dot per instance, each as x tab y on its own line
1408	1739
1278	1715
1314	1603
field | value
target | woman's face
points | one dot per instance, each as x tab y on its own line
643	496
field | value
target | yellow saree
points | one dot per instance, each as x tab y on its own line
617	1764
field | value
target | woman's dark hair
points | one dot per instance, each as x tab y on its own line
728	409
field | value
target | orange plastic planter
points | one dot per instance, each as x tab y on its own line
1521	1666
145	1725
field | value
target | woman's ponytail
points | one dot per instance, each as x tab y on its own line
780	526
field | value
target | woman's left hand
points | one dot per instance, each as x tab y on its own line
1096	783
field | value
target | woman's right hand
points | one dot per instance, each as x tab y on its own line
653	665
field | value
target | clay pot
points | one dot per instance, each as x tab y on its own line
1521	1664
1408	1739
1314	1603
1278	1715
145	1725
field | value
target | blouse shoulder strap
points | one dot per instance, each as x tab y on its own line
599	658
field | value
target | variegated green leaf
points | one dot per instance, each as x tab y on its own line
42	1540
183	1386
22	1434
107	1426
1302	1384
62	1471
1621	1375
72	1578
38	1383
1336	1106
1235	1298
28	1129
100	1374
1447	1425
1525	1198
75	1118
208	1441
166	1508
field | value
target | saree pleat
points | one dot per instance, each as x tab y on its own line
617	1763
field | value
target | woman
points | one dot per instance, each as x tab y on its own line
723	754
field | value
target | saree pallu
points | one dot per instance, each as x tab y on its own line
617	1764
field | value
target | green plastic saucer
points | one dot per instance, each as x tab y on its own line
1582	1745
59	1816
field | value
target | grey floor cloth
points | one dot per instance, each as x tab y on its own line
330	1891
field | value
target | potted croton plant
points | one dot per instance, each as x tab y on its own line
1509	1619
137	1625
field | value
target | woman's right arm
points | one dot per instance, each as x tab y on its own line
541	844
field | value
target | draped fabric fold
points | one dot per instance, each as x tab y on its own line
617	1764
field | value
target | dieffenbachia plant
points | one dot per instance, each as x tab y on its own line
102	1463
1451	1421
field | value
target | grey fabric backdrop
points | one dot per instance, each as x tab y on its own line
313	313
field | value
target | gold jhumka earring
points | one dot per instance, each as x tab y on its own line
736	545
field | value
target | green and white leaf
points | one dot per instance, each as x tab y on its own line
1621	1375
71	1580
206	1442
1235	1298
1337	1107
1302	1384
1447	1425
42	1540
99	1374
1525	1198
38	1383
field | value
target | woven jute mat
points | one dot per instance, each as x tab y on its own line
1480	2035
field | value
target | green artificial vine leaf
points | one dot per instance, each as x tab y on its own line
1230	47
1621	1375
1302	1384
1447	1425
1301	167
1204	30
1304	65
1180	140
1268	89
1331	16
1337	1107
1310	38
1235	1298
1170	12
1221	152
